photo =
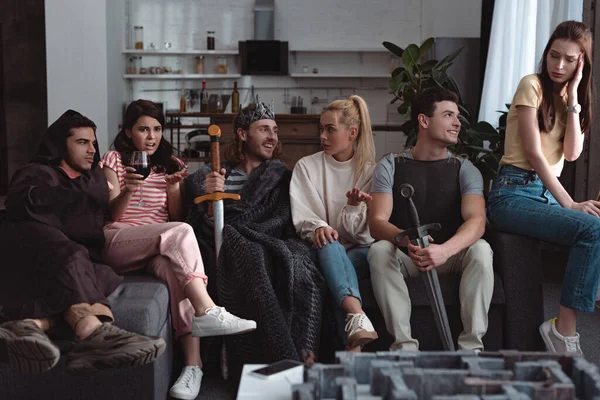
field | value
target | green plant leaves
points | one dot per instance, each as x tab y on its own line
403	108
410	56
412	77
447	61
484	127
396	50
426	46
428	65
397	71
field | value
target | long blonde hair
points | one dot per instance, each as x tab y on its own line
353	111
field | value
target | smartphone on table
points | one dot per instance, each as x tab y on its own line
276	368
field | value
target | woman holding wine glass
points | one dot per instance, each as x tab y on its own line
145	202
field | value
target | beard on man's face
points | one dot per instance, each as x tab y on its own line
258	150
81	165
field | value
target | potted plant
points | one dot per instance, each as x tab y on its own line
415	75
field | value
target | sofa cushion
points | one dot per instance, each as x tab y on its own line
140	305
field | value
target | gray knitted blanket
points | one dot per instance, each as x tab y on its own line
265	272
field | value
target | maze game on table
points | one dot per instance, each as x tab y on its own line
461	375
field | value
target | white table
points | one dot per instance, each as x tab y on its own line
277	387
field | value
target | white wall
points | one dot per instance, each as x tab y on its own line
76	35
451	18
85	39
117	93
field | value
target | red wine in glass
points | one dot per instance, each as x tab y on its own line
139	161
142	170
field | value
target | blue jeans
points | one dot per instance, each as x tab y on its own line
520	203
341	270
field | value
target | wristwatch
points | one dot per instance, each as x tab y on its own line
576	108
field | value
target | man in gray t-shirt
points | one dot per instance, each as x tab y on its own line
448	190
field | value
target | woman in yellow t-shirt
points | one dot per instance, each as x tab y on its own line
550	113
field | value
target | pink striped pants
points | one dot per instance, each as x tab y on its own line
169	251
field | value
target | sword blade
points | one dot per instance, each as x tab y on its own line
434	292
219	218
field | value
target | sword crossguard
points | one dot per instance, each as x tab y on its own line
420	232
216	196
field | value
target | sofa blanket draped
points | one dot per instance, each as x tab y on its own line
265	272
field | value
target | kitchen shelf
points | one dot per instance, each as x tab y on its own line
334	50
181	52
327	75
172	77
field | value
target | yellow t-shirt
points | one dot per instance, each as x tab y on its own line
529	93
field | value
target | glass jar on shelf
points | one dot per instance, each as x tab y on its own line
182	102
131	66
134	64
210	40
200	65
221	65
138	37
219	108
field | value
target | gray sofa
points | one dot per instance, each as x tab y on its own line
516	311
140	304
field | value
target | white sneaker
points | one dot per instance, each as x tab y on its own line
188	384
219	322
557	343
359	330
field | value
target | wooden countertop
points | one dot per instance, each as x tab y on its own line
297	117
393	127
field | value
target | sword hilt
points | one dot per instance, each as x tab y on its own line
215	133
419	234
407	191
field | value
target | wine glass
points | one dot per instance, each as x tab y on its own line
139	161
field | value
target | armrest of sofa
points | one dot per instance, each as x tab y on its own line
518	260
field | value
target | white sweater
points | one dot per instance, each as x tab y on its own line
318	198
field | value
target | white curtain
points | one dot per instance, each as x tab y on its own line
520	30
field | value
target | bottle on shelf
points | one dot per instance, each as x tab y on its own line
219	103
203	98
131	67
138	37
210	40
182	102
235	99
221	65
200	65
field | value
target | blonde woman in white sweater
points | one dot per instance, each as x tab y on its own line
329	194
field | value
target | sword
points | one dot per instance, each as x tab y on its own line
216	200
418	236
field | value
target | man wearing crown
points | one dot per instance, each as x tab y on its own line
264	270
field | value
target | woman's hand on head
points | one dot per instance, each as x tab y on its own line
574	83
591	207
356	196
323	235
132	180
215	182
